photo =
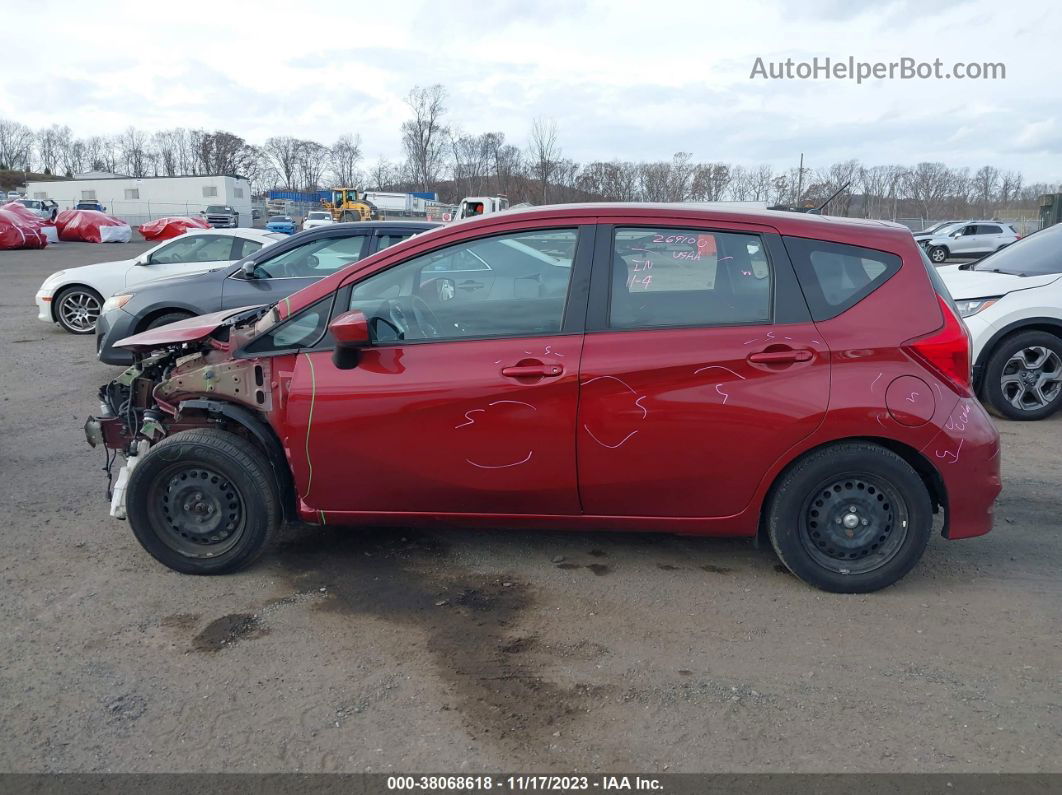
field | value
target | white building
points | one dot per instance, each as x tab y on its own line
137	200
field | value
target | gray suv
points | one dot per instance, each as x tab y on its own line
971	239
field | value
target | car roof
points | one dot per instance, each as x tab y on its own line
786	222
242	231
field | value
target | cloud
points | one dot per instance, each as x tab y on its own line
622	79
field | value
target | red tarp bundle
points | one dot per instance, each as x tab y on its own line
90	226
165	228
20	228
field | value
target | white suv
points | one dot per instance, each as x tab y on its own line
1012	304
972	239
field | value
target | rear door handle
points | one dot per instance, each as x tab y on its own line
532	371
780	357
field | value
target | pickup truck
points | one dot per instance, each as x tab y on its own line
221	216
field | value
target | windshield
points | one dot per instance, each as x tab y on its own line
217	208
279	219
1038	254
318	216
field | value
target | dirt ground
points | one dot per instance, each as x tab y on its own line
467	651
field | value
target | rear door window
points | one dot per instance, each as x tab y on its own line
241	247
688	277
837	276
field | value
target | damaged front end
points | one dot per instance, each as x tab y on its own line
183	377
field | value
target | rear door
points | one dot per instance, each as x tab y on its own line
700	368
278	276
989	238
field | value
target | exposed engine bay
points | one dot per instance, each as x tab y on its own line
176	387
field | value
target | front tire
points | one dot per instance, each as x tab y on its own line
166	319
850	518
203	502
77	309
937	254
1023	377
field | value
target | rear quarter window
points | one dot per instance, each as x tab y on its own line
835	276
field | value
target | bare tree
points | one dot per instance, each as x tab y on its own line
50	144
312	164
344	157
506	162
424	136
283	151
1009	188
985	184
16	145
710	181
928	185
543	153
383	175
472	157
133	144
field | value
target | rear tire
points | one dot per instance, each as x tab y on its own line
850	518
937	254
1023	377
203	502
166	319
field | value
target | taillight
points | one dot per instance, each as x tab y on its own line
946	351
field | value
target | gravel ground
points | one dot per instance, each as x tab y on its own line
396	650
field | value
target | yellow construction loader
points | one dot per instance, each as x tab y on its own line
350	204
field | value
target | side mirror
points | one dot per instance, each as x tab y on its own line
143	259
351	333
248	270
957	234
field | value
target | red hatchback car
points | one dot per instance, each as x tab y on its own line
626	367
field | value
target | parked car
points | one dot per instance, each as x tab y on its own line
263	277
317	218
972	239
73	298
1012	304
936	230
284	224
37	207
90	205
679	369
221	216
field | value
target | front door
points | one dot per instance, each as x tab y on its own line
463	406
691	388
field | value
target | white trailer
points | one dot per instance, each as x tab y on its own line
137	200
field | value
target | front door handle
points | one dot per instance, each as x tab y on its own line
780	357
532	371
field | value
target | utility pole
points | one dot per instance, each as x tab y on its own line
800	180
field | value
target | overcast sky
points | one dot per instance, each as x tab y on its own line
635	81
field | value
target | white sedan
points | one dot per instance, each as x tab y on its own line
73	298
317	218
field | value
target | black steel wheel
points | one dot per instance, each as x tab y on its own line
854	523
203	502
849	518
198	512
